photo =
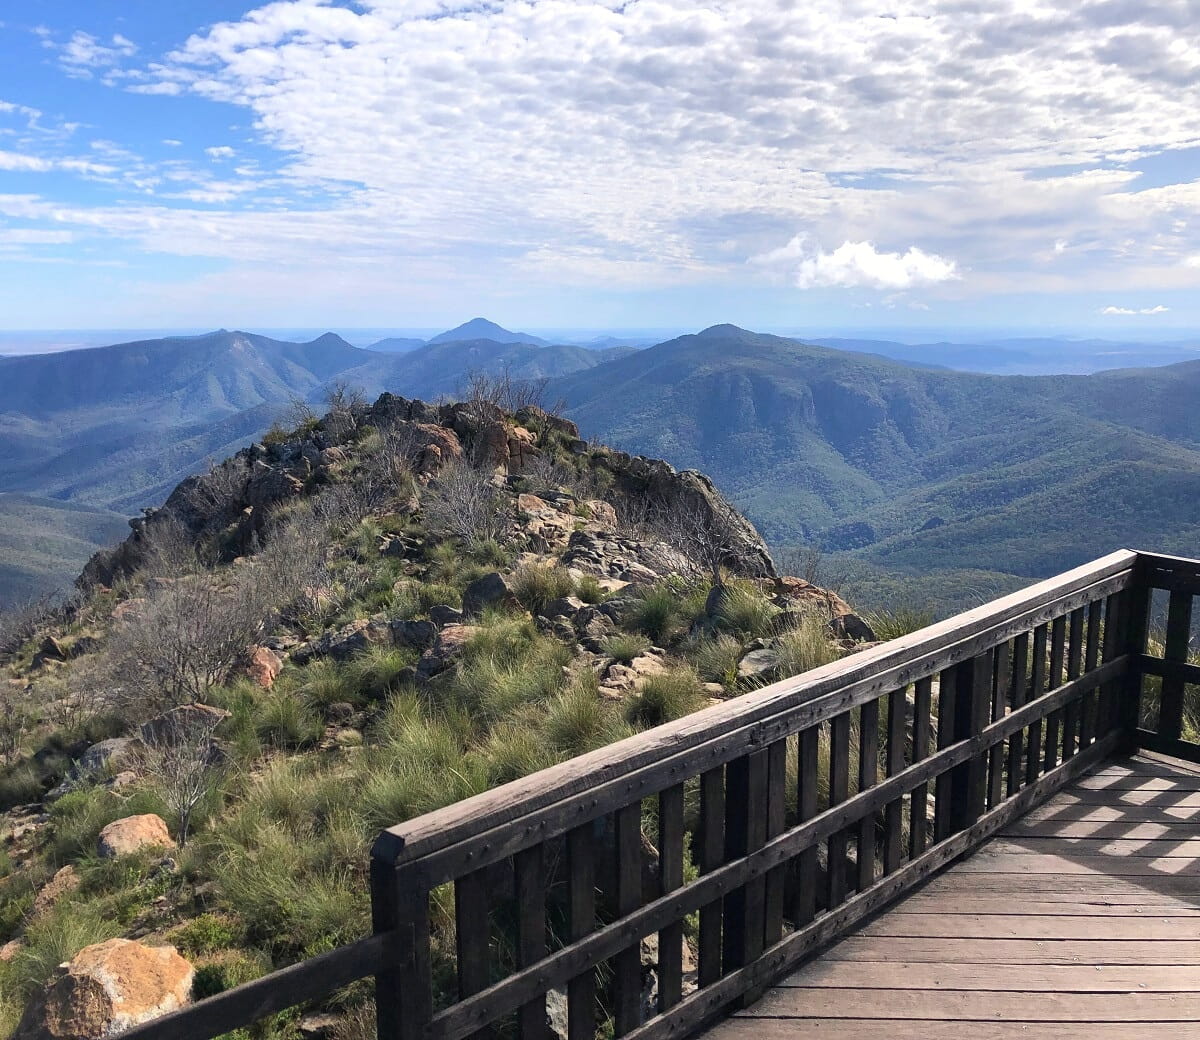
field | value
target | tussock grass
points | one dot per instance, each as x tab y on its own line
806	645
625	646
536	585
657	614
579	720
375	672
897	621
665	697
746	611
716	659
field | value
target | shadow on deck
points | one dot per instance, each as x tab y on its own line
1081	921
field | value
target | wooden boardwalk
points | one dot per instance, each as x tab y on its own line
1080	921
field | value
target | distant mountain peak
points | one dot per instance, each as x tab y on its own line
722	332
482	328
330	339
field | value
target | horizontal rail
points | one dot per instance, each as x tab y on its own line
589	785
474	1012
266	996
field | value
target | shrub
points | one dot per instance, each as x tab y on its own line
207	934
226	970
657	613
536	585
625	646
665	697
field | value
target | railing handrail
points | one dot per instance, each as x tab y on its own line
507	804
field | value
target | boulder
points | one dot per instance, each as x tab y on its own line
440	615
66	881
264	667
10	949
419	635
51	649
345	641
450	643
489	591
132	834
565	606
113	754
532	415
105	989
759	664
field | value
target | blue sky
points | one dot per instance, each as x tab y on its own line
601	163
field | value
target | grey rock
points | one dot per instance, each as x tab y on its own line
490	590
419	635
758	664
440	615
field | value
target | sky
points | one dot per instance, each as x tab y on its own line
601	163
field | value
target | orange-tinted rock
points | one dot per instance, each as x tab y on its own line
133	833
264	667
62	884
105	989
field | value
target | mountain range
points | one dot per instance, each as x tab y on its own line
905	470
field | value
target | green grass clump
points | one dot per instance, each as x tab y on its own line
589	589
536	585
286	721
716	659
78	817
656	613
625	646
665	697
52	940
806	645
375	672
894	622
746	611
513	750
580	720
228	969
325	681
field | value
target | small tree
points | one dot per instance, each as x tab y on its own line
710	540
185	762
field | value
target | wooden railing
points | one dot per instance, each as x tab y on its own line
763	827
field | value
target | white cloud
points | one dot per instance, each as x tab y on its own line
858	264
219	152
1192	261
171	142
84	52
16	162
1160	309
664	141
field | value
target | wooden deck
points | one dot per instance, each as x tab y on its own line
1080	920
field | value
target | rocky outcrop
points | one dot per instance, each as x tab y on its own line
132	834
186	722
491	590
108	756
263	666
105	989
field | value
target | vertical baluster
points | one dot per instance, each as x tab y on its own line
1089	702
893	821
776	822
712	855
839	789
529	872
1037	687
1179	632
472	929
581	921
804	908
1072	710
1058	644
670	876
404	988
918	820
868	774
1110	692
745	832
627	965
1001	677
1135	621
1020	683
947	706
973	690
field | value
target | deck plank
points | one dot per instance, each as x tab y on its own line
1079	921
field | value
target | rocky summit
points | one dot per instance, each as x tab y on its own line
367	616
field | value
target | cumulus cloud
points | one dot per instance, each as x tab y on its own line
669	140
858	264
219	152
1159	309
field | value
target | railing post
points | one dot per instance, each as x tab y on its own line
404	986
1135	624
972	694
